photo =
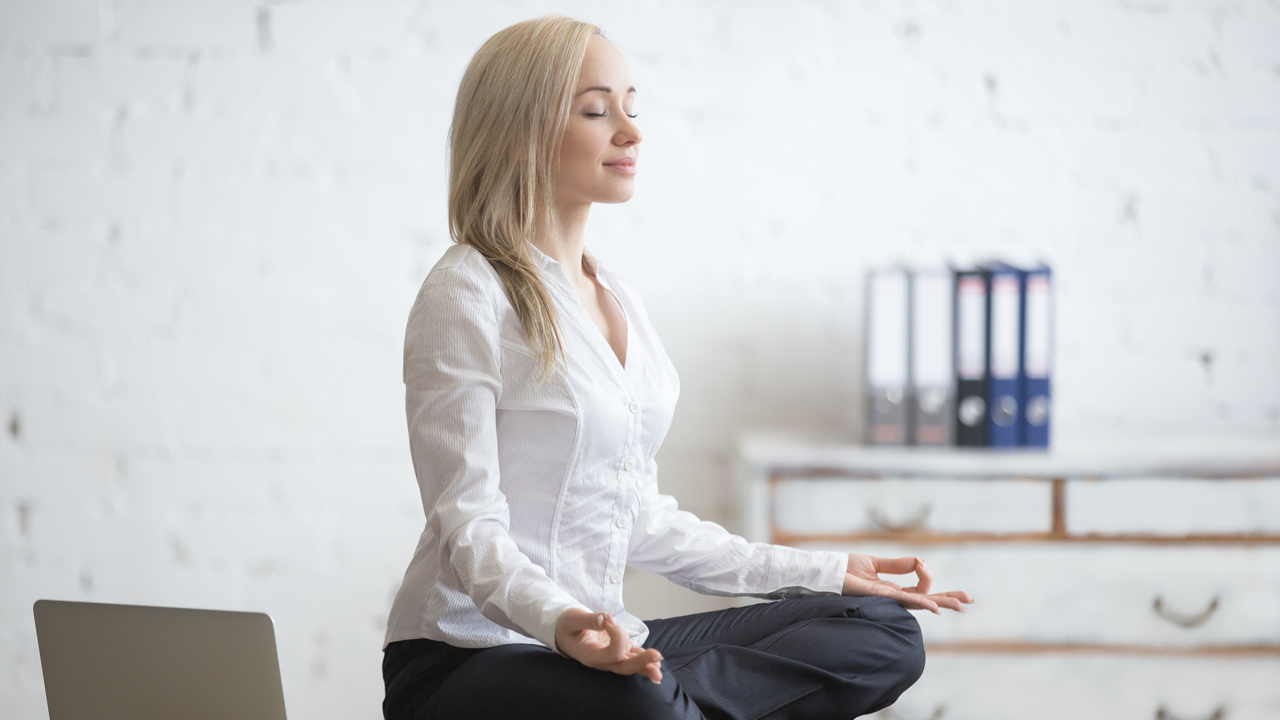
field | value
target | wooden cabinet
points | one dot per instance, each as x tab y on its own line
1135	585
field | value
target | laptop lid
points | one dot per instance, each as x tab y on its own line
113	662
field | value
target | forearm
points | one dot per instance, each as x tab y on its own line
708	559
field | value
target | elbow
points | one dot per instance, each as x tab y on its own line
464	546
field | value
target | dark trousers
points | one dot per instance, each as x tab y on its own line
815	657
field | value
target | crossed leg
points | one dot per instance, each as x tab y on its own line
814	657
531	681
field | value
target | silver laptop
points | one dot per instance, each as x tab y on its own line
111	662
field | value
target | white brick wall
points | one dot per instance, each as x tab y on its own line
215	216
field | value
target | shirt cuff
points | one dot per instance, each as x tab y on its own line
537	609
818	570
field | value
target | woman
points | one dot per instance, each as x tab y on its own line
537	396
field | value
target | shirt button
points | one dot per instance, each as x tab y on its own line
628	464
634	407
622	522
614	578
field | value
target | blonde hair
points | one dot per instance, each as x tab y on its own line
504	146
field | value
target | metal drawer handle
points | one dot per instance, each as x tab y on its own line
1164	714
890	714
914	522
1185	621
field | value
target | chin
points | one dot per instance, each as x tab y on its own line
619	195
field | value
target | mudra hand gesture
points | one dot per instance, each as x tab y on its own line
863	578
598	641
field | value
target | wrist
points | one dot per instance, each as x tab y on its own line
567	625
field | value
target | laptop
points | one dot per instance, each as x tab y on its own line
112	662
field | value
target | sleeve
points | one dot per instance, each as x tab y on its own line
452	376
706	558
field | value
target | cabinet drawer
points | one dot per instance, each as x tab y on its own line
1173	506
1100	593
959	686
831	506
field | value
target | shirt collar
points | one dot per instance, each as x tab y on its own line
542	259
539	257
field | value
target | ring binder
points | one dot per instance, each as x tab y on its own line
1004	356
971	357
888	350
1037	355
932	369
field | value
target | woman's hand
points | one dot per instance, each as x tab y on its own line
597	641
863	578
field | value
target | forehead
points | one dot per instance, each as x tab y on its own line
604	65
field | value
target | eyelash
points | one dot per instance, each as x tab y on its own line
602	115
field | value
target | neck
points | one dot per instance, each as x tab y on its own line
566	247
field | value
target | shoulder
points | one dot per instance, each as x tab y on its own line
462	273
460	264
462	290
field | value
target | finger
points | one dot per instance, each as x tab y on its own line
634	650
653	671
591	636
947	602
619	640
595	622
924	578
923	602
904	598
912	600
645	663
895	566
959	595
653	668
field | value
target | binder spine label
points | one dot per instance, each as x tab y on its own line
932	368
1004	399
1038	358
1037	329
971	321
888	352
1004	327
971	360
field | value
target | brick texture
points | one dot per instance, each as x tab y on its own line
216	214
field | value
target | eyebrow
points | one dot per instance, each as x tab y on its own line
603	89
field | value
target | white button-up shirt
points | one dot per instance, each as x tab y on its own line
537	496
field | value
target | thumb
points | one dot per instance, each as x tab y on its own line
583	620
589	622
575	622
619	640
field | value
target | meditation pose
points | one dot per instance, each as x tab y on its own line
537	395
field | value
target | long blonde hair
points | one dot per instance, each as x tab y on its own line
504	146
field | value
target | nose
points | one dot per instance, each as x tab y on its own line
628	134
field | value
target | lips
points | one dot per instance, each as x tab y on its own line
626	165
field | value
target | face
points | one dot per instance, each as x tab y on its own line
600	147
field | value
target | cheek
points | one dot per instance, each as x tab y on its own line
574	160
580	153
